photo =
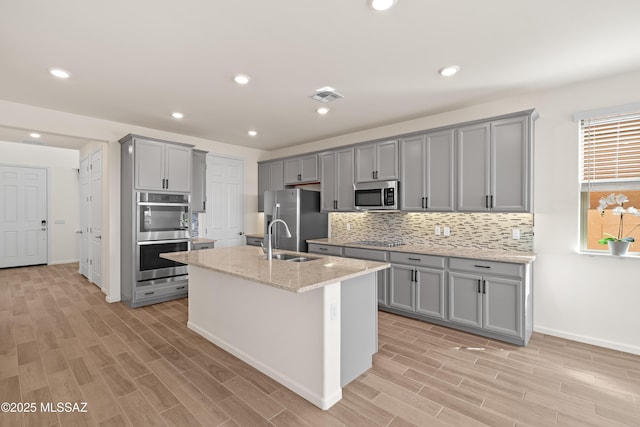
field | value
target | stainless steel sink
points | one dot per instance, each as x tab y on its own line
292	258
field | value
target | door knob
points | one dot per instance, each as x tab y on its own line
240	233
44	224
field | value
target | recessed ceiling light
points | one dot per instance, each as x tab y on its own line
252	133
449	71
34	135
61	74
381	4
177	115
241	79
322	110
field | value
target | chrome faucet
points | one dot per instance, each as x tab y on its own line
270	233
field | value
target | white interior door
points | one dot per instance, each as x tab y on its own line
95	263
85	193
23	216
225	201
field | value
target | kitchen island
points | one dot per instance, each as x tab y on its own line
311	326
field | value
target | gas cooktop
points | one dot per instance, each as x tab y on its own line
383	243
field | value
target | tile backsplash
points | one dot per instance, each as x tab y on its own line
468	230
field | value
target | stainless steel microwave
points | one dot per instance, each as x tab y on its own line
376	195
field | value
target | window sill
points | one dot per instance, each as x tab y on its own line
633	255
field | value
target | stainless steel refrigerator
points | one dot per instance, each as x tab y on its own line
300	209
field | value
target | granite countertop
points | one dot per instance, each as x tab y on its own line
248	262
484	254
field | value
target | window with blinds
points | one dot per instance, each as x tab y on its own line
609	163
610	149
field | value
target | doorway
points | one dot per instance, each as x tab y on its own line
225	201
23	216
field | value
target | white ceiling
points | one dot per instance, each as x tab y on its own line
138	61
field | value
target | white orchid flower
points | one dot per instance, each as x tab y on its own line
611	199
618	210
621	198
633	211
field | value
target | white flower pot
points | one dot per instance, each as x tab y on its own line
618	248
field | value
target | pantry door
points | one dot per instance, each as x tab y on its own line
225	201
23	216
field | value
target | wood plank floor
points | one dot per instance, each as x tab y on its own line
61	342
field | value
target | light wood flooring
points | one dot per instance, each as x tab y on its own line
61	342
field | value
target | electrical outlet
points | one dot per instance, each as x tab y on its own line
437	230
348	227
447	231
515	233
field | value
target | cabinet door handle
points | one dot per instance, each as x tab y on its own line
149	293
414	259
486	202
484	286
491	201
204	206
482	266
479	286
426	203
167	183
423	203
323	249
413	275
299	177
416	276
180	287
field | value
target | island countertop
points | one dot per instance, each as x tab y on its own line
248	262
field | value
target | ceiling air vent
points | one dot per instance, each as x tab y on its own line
326	96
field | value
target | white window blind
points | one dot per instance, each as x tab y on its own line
610	151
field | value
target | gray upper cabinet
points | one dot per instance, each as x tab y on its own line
301	170
336	180
427	166
199	180
162	166
494	166
377	161
270	177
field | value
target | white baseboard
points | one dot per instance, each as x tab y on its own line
58	262
110	300
589	340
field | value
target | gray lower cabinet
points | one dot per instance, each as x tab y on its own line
315	248
255	241
383	276
415	288
491	298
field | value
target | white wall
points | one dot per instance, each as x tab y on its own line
63	193
588	298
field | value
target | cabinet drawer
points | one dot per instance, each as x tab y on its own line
486	267
156	291
254	241
325	249
417	259
198	246
370	254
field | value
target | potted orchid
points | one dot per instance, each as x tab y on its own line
618	245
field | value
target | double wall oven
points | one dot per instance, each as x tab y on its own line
162	226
